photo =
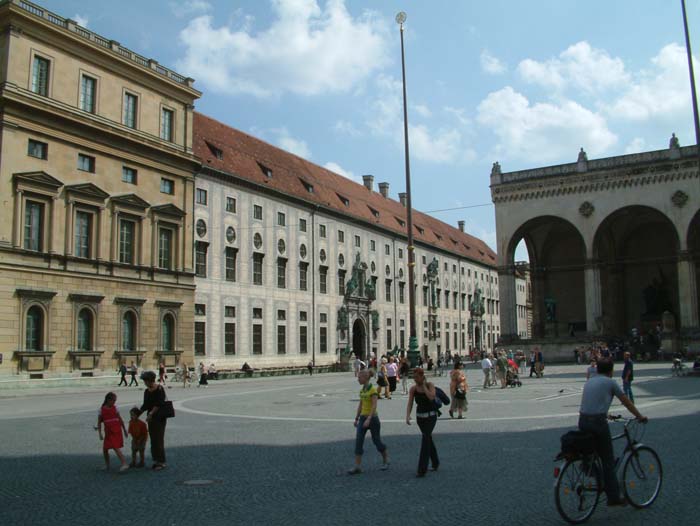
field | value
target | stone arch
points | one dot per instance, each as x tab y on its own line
359	339
35	327
636	249
557	252
85	331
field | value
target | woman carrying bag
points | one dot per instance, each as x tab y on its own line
426	416
158	411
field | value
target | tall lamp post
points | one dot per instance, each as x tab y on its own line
692	80
413	352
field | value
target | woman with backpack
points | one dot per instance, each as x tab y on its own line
458	391
423	392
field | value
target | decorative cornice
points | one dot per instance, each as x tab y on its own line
85	298
169	304
129	301
35	294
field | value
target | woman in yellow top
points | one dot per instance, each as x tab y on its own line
367	418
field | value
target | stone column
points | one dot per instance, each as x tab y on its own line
593	295
114	241
19	219
537	277
687	291
509	315
68	231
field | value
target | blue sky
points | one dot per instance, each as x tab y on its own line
523	83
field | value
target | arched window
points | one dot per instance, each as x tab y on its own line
168	330
129	331
34	329
85	330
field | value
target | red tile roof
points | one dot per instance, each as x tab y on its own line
249	158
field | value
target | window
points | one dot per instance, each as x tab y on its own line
86	163
216	152
454	301
37	149
388	339
258	269
281	339
281	219
230	263
302	225
131	103
425	296
167	186
281	273
200	338
165	248
40	76
373	245
341	282
85	330
323	279
231	204
303	339
166	124
83	227
257	313
229	311
88	89
129	175
402	286
323	317
200	260
34	330
387	291
267	172
322	230
229	338
257	338
33	225
129	331
358	241
126	241
303	316
303	271
341	236
257	212
201	197
323	340
387	250
200	309
168	332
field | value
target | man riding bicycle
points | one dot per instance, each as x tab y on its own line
597	396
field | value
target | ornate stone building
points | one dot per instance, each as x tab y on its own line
97	185
296	263
613	244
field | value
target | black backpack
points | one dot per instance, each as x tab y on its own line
577	443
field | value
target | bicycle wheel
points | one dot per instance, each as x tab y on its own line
577	490
642	476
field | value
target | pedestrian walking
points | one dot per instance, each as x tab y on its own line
133	371
367	418
628	376
109	419
539	363
153	402
161	373
310	367
533	359
186	378
458	391
391	372
403	374
382	380
122	372
139	437
203	375
486	366
423	392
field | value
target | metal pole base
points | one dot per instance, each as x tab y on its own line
413	352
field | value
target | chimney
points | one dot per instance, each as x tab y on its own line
402	199
460	224
368	181
384	189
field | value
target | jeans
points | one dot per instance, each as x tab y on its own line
427	445
597	425
374	429
133	381
627	389
156	430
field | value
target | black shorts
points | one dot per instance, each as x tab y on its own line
381	381
392	383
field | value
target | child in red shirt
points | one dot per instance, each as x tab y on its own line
113	424
139	436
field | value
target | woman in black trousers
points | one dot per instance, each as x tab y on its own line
426	416
153	400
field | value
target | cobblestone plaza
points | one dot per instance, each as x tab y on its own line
277	451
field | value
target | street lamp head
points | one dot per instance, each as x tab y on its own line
401	18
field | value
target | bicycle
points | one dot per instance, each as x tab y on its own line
579	477
678	368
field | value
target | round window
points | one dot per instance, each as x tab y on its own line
281	247
387	270
201	228
257	240
341	260
302	251
323	255
230	234
373	266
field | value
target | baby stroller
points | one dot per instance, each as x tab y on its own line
512	378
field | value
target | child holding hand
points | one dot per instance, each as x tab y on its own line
113	424
139	436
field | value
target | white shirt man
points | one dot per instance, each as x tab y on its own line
486	366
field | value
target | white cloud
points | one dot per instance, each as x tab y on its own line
491	64
289	143
336	168
81	20
638	144
189	8
307	50
422	110
662	91
459	114
542	132
347	128
580	66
